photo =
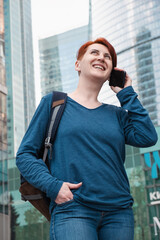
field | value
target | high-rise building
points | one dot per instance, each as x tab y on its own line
4	196
57	59
27	61
19	70
21	91
133	28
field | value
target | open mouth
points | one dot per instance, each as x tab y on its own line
99	67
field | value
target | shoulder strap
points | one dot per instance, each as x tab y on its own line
58	105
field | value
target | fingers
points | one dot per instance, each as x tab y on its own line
74	186
65	193
119	69
128	80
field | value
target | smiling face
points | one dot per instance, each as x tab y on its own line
96	63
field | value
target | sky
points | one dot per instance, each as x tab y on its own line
51	17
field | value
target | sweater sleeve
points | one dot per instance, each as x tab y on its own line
32	168
138	128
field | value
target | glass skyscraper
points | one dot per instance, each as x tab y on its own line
57	59
27	60
21	93
133	27
4	196
19	70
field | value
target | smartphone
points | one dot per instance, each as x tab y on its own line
117	78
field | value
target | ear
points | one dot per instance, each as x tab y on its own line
77	66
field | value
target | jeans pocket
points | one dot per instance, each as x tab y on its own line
65	203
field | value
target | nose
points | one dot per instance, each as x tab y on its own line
101	57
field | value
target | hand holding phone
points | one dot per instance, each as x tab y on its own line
117	78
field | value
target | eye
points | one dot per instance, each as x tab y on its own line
107	56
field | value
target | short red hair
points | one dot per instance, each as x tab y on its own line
82	50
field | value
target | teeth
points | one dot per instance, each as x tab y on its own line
100	67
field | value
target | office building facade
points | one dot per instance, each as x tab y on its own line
19	70
133	28
57	60
143	169
21	92
4	195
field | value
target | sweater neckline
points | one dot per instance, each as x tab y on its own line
90	109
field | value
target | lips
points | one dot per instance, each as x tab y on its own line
99	66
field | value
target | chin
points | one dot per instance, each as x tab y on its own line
100	77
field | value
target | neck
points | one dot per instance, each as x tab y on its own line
87	90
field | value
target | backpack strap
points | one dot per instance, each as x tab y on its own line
58	105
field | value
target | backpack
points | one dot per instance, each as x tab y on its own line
29	193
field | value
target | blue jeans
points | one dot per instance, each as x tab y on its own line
74	221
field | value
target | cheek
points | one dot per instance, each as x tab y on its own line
110	63
110	66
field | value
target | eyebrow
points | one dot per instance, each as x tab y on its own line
94	50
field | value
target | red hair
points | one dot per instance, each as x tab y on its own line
82	50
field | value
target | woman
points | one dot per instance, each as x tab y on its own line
88	185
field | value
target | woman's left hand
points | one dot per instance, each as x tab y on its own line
128	82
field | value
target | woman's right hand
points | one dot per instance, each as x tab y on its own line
65	193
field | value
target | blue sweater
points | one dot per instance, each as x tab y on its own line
89	148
